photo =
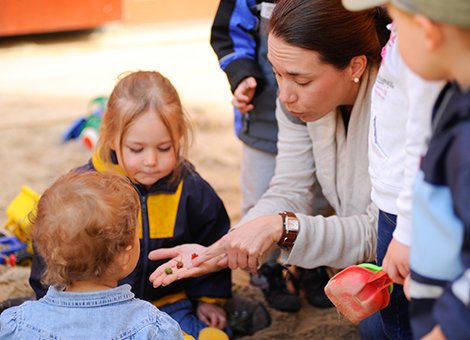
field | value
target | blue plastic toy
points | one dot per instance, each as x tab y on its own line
13	251
87	127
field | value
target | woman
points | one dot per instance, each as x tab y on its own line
325	61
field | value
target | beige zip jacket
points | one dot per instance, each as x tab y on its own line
322	151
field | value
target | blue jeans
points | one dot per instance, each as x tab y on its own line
392	322
184	313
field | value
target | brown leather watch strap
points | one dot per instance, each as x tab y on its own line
289	235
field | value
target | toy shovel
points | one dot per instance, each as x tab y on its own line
359	291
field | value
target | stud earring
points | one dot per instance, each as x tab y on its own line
356	80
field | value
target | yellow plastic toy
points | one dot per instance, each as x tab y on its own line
18	215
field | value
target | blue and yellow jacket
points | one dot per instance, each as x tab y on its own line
440	252
172	213
239	39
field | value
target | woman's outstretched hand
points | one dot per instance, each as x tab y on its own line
241	248
180	266
244	245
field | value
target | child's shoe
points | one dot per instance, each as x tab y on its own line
273	284
313	282
246	316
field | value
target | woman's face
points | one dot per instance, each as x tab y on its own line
308	87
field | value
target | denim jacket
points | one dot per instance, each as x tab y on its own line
109	314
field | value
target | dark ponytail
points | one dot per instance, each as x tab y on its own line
326	27
382	19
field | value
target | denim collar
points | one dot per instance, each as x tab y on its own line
92	299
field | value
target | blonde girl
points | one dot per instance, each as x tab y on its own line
145	136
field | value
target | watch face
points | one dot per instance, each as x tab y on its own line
292	224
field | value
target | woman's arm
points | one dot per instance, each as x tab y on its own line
334	241
291	187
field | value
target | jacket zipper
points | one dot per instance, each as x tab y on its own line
145	244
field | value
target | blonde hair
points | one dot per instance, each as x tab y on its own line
83	220
134	95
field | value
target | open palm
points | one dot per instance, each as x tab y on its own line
181	264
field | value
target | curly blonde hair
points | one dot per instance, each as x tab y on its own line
83	220
134	95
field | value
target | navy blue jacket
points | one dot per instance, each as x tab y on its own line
193	213
239	39
440	252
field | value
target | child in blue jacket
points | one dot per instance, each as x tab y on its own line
434	40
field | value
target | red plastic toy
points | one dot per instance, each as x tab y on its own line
359	291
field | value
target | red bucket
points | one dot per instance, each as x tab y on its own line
359	291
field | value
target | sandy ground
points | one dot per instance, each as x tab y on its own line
47	81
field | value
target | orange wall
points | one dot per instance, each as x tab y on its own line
40	16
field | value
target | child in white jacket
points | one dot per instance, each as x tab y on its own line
400	125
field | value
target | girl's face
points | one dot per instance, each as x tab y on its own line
148	153
308	88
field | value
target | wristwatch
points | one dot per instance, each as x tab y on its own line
290	230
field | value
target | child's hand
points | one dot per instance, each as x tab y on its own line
396	262
406	287
180	266
243	95
435	334
212	315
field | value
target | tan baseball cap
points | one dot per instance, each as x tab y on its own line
453	12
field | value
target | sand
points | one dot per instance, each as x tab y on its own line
47	82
